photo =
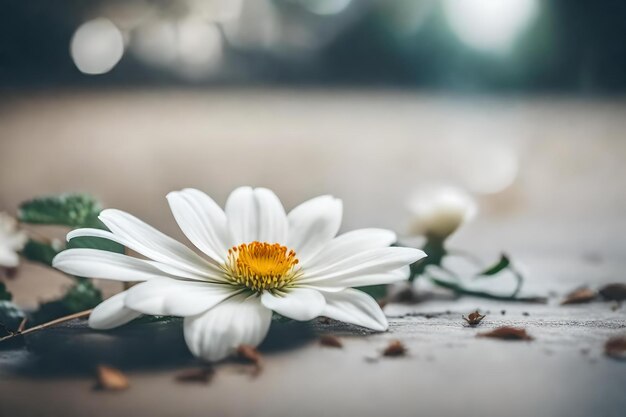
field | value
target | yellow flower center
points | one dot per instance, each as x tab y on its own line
261	266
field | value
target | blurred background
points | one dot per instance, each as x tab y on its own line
518	102
448	45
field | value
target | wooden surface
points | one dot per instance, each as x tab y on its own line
561	219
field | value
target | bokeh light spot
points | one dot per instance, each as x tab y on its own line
489	25
97	46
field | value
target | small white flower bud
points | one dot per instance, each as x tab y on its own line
438	212
12	240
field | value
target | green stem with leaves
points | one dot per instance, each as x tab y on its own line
436	251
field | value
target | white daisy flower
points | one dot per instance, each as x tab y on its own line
257	259
439	212
12	240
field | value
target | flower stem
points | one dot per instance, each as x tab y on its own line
48	324
483	294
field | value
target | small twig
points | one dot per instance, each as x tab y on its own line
48	324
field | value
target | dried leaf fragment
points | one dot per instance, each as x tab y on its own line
22	325
394	349
330	341
507	333
202	375
249	354
613	292
579	296
110	379
616	347
474	319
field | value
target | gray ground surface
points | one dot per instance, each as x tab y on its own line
448	371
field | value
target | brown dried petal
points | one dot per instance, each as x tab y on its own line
613	292
616	347
330	341
507	333
200	375
22	325
579	296
111	379
394	349
250	354
474	318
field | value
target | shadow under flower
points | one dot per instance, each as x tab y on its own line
72	348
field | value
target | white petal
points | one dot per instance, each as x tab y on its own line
240	320
349	244
94	263
358	280
168	297
87	232
153	244
299	303
8	258
272	220
15	240
355	307
242	215
374	261
112	313
202	221
207	275
313	224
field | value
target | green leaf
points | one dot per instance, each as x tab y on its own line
95	243
81	296
377	291
73	210
495	269
10	317
48	311
4	294
36	251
